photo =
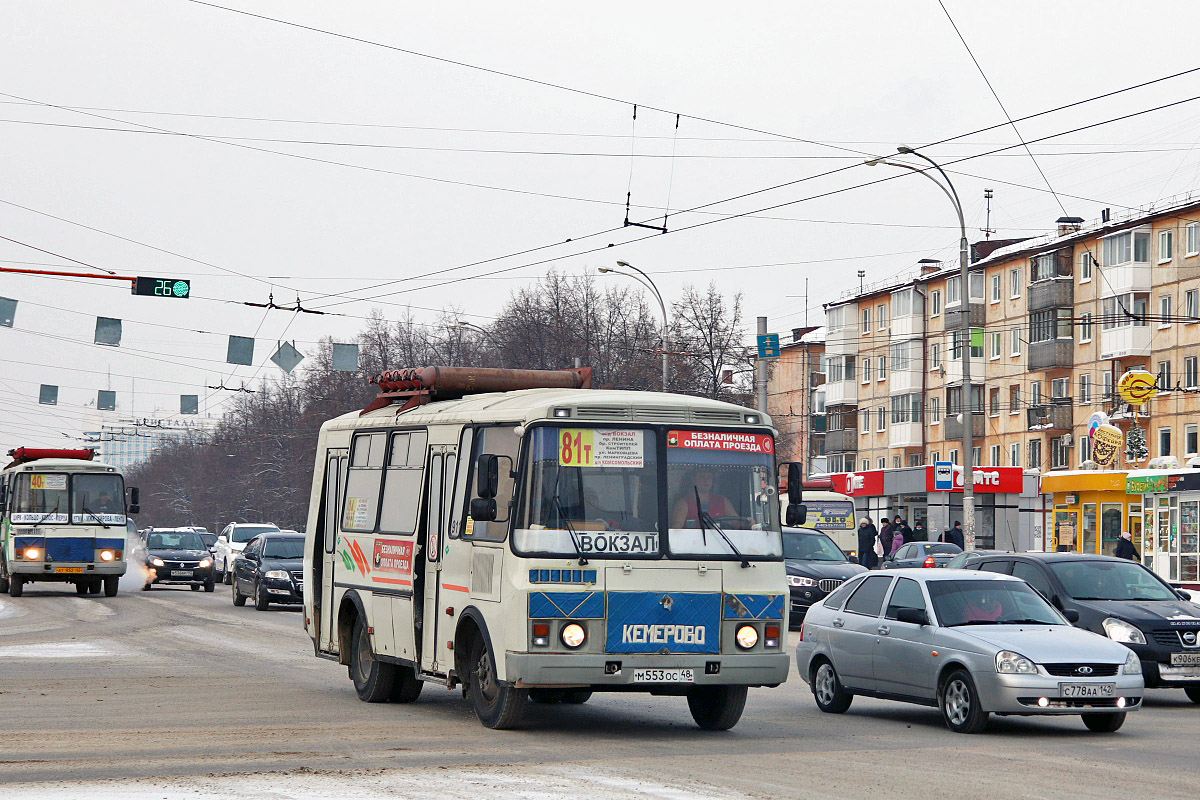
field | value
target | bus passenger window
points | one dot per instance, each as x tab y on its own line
361	506
501	441
402	483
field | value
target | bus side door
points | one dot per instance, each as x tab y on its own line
443	464
323	600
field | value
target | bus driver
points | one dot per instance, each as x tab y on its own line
700	482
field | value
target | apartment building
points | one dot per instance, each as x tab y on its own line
796	399
1055	322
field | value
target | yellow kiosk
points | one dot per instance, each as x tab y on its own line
1091	508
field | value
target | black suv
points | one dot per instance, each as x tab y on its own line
271	570
1122	600
178	556
815	567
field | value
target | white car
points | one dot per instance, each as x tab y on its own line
232	541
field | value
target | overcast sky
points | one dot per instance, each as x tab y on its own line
364	164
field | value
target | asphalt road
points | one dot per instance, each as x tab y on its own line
173	693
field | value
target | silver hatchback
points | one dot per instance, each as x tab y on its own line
970	643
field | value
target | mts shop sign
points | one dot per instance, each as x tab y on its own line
988	480
858	484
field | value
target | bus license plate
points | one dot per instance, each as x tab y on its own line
68	570
181	573
663	676
1087	689
1185	659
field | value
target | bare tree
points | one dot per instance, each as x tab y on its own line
709	331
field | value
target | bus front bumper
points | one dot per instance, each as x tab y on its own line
64	571
616	670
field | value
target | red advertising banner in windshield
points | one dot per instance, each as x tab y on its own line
725	441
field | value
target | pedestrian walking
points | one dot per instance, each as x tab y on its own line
954	535
901	525
919	534
897	539
1125	548
866	543
885	537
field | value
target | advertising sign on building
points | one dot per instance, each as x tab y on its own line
1107	441
988	480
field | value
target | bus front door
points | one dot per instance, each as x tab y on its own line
323	594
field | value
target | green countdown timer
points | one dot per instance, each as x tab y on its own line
162	287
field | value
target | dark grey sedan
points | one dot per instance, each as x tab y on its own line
923	554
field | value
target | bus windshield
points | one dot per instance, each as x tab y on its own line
591	492
55	498
97	499
722	479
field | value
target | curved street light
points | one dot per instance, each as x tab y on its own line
645	280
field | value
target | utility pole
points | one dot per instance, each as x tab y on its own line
760	371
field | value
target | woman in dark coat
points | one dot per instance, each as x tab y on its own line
866	543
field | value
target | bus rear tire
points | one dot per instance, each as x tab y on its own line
16	585
717	708
405	686
373	680
111	584
498	707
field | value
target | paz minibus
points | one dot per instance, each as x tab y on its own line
62	520
534	540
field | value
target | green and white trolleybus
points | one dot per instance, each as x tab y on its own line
531	539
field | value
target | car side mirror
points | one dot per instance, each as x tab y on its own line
483	509
222	540
1072	615
913	616
487	481
1183	594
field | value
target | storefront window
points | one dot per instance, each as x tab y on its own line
1088	528
1189	546
1064	529
1135	526
1110	527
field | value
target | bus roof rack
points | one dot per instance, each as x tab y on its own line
23	455
415	386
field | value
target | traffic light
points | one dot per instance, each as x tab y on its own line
162	287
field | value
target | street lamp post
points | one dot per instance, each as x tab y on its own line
968	404
646	281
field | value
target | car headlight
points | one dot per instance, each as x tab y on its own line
156	561
1133	664
278	574
746	637
573	635
1010	663
205	562
799	580
1121	631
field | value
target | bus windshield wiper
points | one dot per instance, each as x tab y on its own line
562	517
87	510
47	515
703	517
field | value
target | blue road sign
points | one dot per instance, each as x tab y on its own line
943	476
768	345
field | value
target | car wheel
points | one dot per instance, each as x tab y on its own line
1193	693
16	585
261	600
1104	723
576	697
405	686
226	575
717	708
195	587
111	584
960	705
827	689
239	599
498	706
209	585
81	588
373	680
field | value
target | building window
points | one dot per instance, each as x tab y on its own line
1189	439
1015	345
1164	375
1014	283
900	356
997	336
935	356
1085	267
1060	388
866	371
976	286
953	291
1126	247
994	456
935	456
1107	384
914	459
996	288
1189	372
954	456
1041	268
935	303
1164	311
881	314
906	408
1035	453
1124	310
994	402
935	410
864	422
881	463
895	462
1085	389
1014	399
1085	327
1164	246
1191	304
1192	234
954	399
902	303
1164	441
1035	393
976	455
880	419
1014	454
866	320
866	465
881	368
1050	324
1060	453
1085	449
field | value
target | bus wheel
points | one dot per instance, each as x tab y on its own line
717	708
373	680
405	686
576	697
546	696
94	585
81	587
110	585
497	706
4	580
16	584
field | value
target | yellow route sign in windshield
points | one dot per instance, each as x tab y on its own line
589	447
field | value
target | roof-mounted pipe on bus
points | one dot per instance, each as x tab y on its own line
416	386
23	455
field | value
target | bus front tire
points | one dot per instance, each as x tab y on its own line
16	585
717	708
576	697
498	706
81	587
111	584
373	680
94	585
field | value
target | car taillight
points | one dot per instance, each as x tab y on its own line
929	562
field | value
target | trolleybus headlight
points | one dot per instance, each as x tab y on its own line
573	636
747	637
32	554
106	555
156	561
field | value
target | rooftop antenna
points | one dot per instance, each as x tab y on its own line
987	225
862	273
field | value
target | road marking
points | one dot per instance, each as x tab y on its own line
58	650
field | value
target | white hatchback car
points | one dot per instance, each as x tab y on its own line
970	643
231	542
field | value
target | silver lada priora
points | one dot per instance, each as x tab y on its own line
971	643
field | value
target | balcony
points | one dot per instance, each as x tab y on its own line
909	326
953	429
842	340
841	393
1056	293
1051	354
978	315
842	441
905	381
1133	276
1131	340
953	367
905	434
1053	417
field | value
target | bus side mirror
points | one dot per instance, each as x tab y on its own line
135	497
795	515
487	481
795	488
483	509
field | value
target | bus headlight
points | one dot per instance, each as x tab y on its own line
31	554
106	555
572	636
747	637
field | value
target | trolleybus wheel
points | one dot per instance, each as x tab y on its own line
81	587
717	708
576	697
405	686
16	584
497	706
373	680
111	583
